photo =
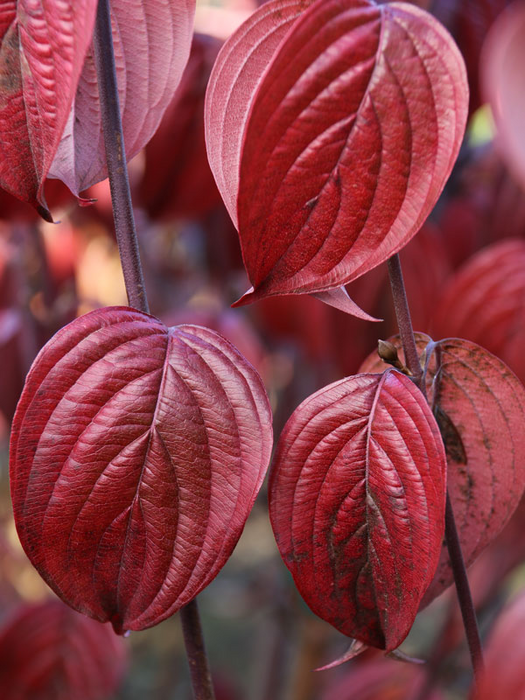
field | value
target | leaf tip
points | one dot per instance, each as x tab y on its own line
355	648
45	213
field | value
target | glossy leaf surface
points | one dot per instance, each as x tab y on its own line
137	452
357	498
352	132
50	652
43	44
479	405
152	42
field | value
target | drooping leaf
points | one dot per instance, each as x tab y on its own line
502	77
357	497
504	673
43	44
136	454
352	132
479	405
152	42
485	302
50	652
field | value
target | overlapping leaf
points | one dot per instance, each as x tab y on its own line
479	405
136	454
50	652
43	44
152	43
357	497
344	143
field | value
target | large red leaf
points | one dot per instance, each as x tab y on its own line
501	71
357	498
345	150
152	42
137	452
50	652
485	302
43	44
480	407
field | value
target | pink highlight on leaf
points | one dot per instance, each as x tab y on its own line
152	44
137	452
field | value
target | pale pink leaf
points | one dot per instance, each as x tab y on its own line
152	42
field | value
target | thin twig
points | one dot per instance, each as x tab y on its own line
457	563
134	280
197	659
116	160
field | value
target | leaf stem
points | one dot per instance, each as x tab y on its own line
406	332
132	268
116	159
196	652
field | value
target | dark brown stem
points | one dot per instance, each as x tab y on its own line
451	534
404	320
133	278
116	160
198	661
466	603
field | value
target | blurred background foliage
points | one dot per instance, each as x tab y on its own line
262	640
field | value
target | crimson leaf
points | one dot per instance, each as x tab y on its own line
357	499
137	452
479	405
347	140
43	44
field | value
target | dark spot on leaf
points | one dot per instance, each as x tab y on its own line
451	437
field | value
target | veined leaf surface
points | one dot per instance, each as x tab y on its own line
152	43
43	44
137	452
357	502
347	140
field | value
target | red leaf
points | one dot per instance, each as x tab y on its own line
43	45
485	302
345	150
504	673
480	408
152	44
502	77
357	498
137	452
50	652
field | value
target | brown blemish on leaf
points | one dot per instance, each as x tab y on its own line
451	438
10	72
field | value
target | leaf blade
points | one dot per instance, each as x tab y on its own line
148	493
